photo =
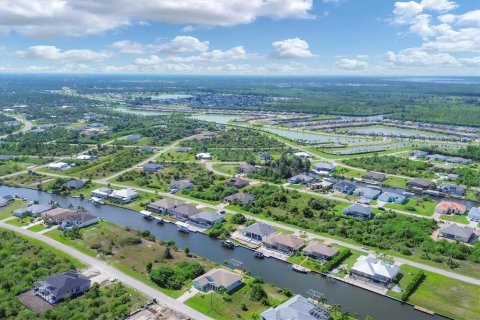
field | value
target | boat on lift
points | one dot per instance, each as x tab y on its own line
299	268
228	244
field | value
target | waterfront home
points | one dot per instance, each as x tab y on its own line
452	189
458	233
102	192
302	155
183	212
58	166
300	178
392	197
58	287
324	168
258	231
419	183
124	195
264	156
320	251
368	193
239	198
5	200
450	207
207	218
217	280
75	184
244	167
375	270
163	205
358	211
474	214
180	185
283	242
296	308
375	176
77	220
237	183
344	186
203	156
34	210
152	167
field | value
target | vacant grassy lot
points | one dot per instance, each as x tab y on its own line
421	206
26	179
6	211
455	218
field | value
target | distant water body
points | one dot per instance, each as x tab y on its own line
451	80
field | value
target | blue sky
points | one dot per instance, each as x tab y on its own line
274	37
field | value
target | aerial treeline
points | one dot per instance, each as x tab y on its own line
280	169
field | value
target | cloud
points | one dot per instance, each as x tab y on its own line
420	57
68	56
128	47
471	62
182	44
235	53
291	48
53	18
350	64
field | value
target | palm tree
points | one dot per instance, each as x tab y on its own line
70	206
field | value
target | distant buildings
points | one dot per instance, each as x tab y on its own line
246	168
203	156
452	189
124	195
420	184
183	212
237	183
163	206
58	287
296	308
102	192
180	185
302	155
301	178
75	184
207	218
67	219
264	156
133	137
375	270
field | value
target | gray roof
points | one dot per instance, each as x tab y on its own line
219	277
321	166
241	197
166	203
33	209
296	308
211	216
320	248
345	185
386	196
358	209
375	176
60	284
75	184
474	213
246	167
457	231
152	167
420	182
368	193
181	184
261	229
185	210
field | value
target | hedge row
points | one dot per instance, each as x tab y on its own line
413	285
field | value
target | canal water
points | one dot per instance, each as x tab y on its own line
355	300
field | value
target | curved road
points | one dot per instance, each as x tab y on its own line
126	279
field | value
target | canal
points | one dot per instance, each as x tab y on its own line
351	298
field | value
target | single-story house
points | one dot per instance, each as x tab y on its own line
123	195
240	198
320	251
67	284
300	178
373	269
78	220
146	148
180	185
436	157
84	157
58	166
258	231
237	183
246	168
344	186
207	218
302	155
474	214
57	215
449	207
203	156
183	212
455	232
264	156
102	192
368	193
133	137
358	211
152	167
452	189
182	149
324	168
375	176
392	197
419	183
283	242
216	279
322	185
163	205
75	184
5	200
34	210
297	308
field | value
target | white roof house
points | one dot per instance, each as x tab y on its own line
58	166
302	154
124	195
203	156
374	269
84	157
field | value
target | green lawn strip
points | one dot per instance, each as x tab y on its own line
230	169
304	261
37	228
57	235
20	222
171	155
415	205
86	191
455	218
6	211
450	297
297	186
213	203
395	182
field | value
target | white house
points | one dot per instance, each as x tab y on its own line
302	154
375	270
124	195
58	166
84	157
203	156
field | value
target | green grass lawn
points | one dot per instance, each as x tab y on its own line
395	182
447	296
37	228
455	218
171	155
216	306
351	173
306	262
415	205
6	211
20	222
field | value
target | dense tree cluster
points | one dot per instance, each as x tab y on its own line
175	277
280	169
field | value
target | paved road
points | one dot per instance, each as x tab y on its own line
27	125
132	282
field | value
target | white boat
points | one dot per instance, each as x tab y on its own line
300	269
147	214
182	227
96	201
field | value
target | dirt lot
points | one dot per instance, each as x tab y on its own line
157	312
32	302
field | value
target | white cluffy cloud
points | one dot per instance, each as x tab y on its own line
182	44
291	48
350	64
67	56
52	18
420	57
